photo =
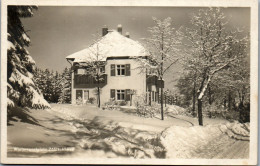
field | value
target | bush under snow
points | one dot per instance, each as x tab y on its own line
176	110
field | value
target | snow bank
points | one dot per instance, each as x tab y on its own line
180	142
239	131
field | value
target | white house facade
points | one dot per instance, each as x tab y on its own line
124	79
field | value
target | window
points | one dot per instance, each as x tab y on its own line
100	70
120	70
120	94
82	71
85	95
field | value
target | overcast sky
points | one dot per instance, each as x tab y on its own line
57	32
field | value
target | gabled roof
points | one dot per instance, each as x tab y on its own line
111	45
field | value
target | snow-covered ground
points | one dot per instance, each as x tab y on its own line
87	131
230	140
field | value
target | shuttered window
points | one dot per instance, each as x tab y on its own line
120	94
128	70
127	98
113	70
112	93
120	70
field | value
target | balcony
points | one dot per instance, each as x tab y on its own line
153	80
88	81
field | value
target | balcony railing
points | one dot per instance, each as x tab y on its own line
88	81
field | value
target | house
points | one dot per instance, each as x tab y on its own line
123	79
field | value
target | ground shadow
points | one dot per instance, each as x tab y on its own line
20	114
133	142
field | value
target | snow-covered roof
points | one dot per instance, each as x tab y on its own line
112	44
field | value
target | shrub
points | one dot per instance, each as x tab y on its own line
213	111
244	113
177	110
122	103
91	100
144	109
111	104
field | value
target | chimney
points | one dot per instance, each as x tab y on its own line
104	30
119	28
127	35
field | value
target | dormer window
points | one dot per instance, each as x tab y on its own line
120	70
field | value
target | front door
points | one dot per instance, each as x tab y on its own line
85	96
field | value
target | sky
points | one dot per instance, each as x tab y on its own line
58	31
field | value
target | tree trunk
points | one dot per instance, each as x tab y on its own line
210	100
201	93
150	98
161	75
210	96
98	93
200	112
98	97
194	99
229	100
162	103
225	102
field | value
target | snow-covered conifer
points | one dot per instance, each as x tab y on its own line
65	85
21	89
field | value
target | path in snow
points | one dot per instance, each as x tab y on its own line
223	147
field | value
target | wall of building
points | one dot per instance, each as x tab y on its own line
136	81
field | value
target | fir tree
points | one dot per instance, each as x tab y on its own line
21	90
65	86
56	87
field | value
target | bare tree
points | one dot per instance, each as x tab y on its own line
95	63
163	53
210	48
